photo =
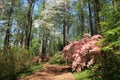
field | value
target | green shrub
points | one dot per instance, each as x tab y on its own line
31	70
108	67
21	58
57	59
84	75
14	62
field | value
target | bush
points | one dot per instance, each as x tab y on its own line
84	75
109	62
82	53
108	67
31	70
57	59
14	62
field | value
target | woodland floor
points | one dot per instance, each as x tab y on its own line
52	72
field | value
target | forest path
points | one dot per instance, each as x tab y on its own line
52	72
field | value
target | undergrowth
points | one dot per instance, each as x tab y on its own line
57	59
84	75
33	69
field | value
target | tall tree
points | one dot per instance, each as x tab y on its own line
8	30
97	28
42	40
114	3
82	17
64	7
56	12
90	18
65	25
0	7
28	27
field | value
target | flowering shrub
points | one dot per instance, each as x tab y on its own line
82	53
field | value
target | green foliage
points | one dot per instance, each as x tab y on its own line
6	70
112	35
94	74
109	62
21	58
31	70
57	59
84	75
35	46
107	67
14	62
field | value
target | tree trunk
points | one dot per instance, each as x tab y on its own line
28	27
29	17
0	7
65	33
65	26
90	19
51	49
24	39
42	48
82	17
114	3
42	40
97	28
7	36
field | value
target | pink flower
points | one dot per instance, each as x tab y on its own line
96	37
82	52
95	50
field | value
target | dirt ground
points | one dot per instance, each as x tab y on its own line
52	72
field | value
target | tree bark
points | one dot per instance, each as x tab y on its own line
90	19
114	3
82	17
42	48
29	24
97	28
65	26
0	7
28	27
65	32
7	36
42	40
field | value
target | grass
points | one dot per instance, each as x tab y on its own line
33	69
84	75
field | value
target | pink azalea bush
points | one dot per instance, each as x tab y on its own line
82	53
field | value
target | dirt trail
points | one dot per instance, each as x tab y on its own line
52	72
